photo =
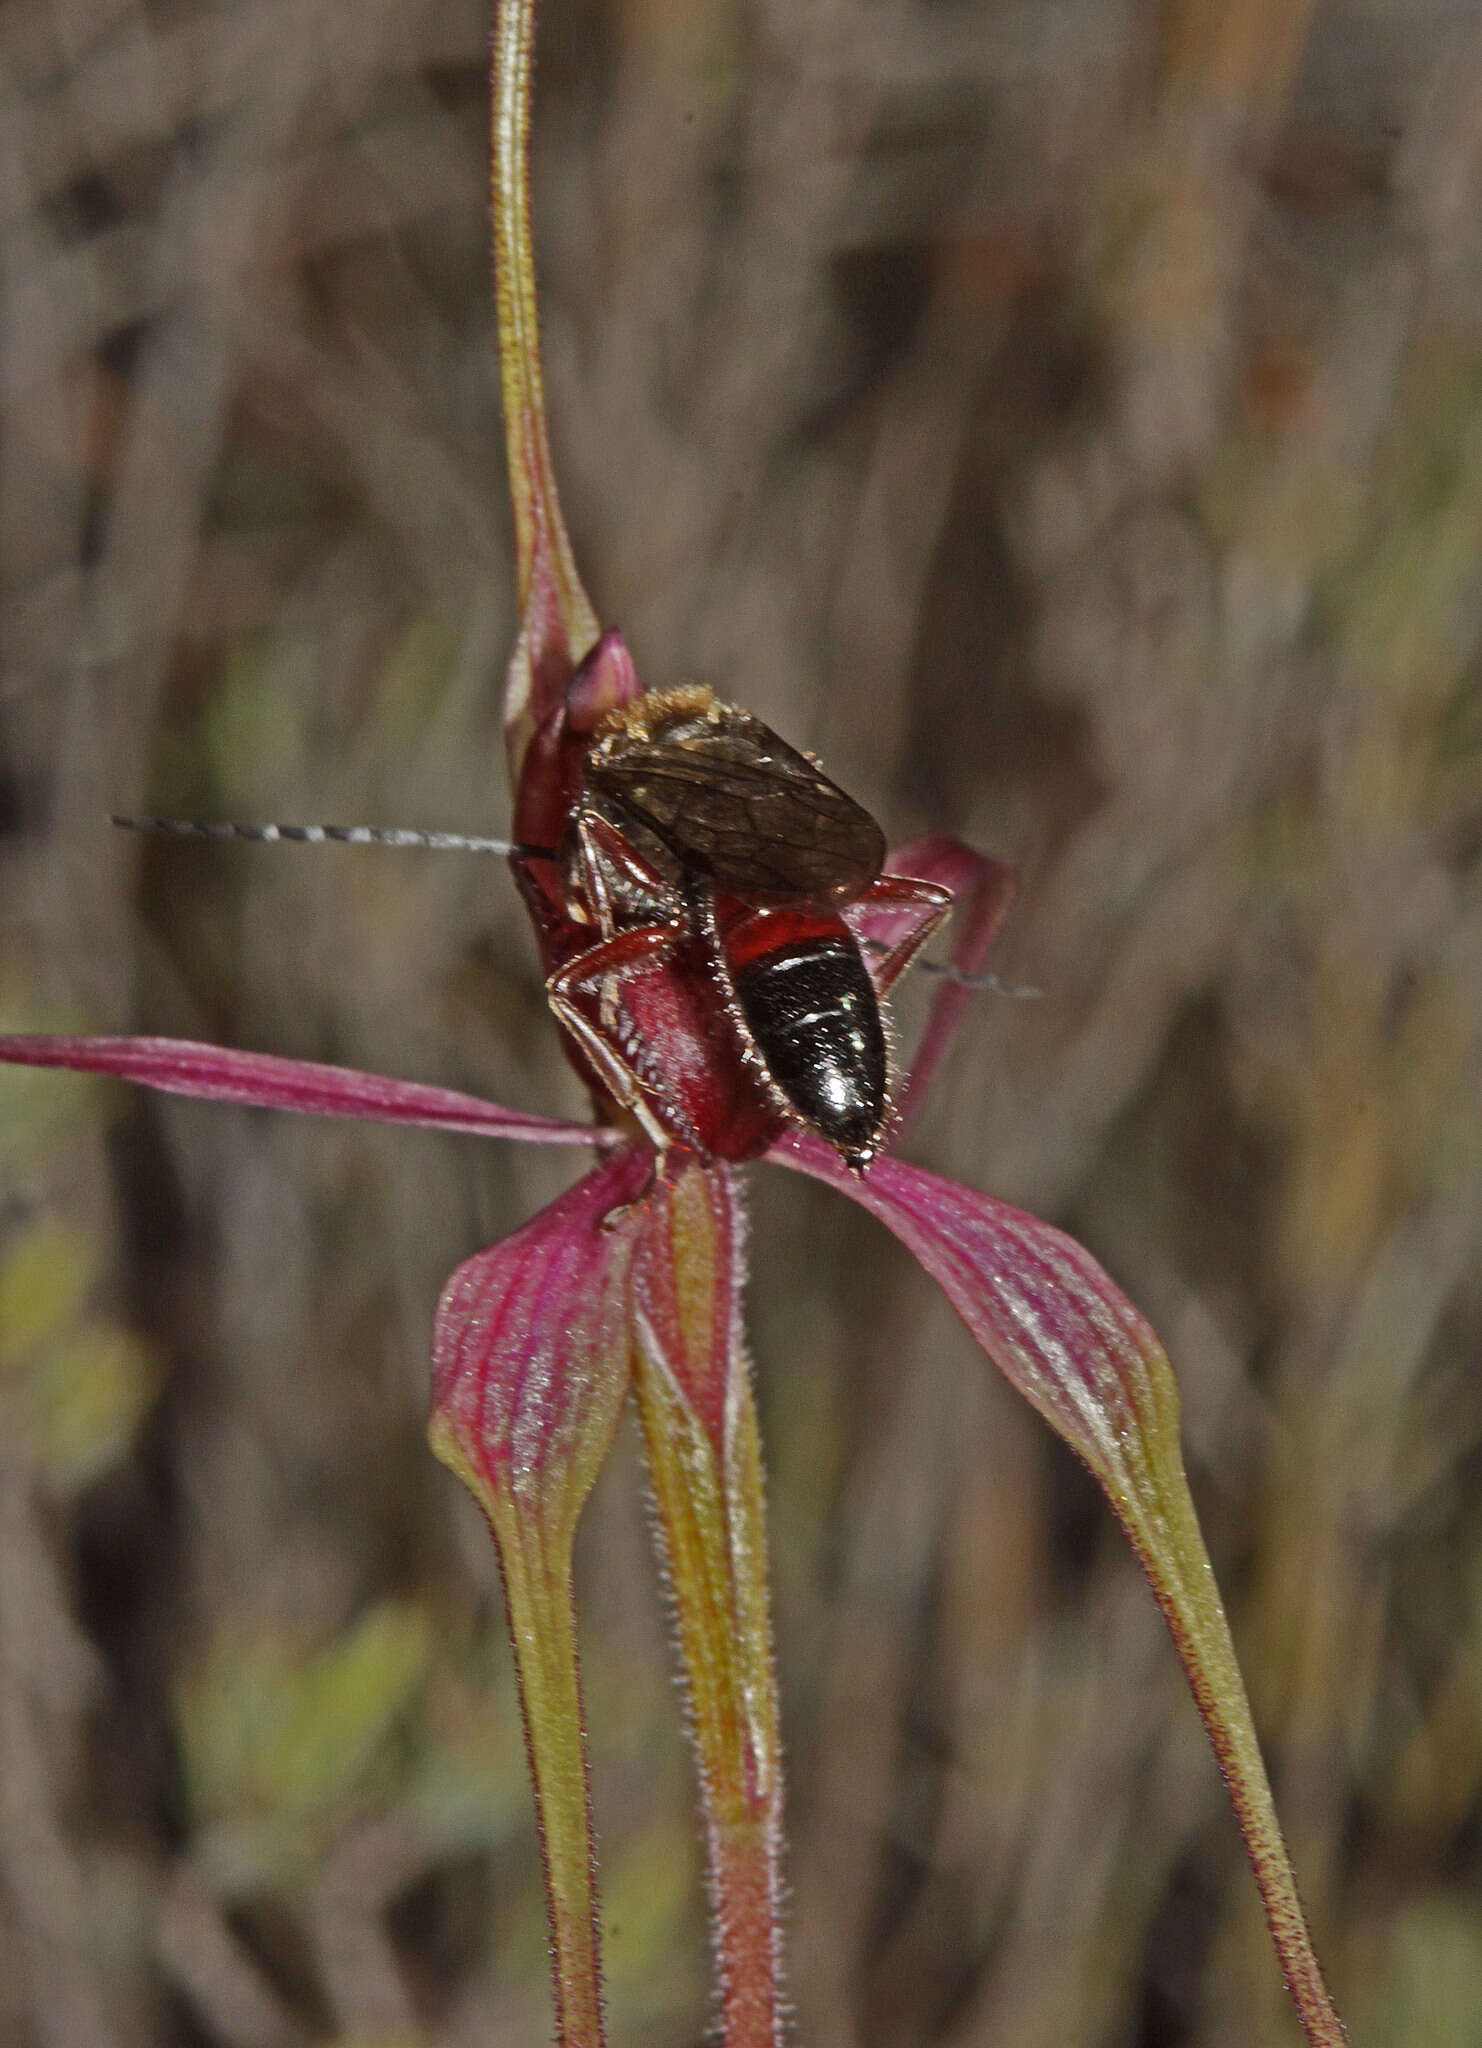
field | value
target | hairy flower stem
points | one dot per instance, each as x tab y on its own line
540	1607
711	1526
695	1403
543	1631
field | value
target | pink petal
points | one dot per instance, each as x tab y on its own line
530	1348
981	886
1080	1353
179	1066
982	890
1039	1305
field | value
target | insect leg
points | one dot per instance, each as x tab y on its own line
620	888
600	969
900	913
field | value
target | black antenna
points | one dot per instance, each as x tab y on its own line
342	835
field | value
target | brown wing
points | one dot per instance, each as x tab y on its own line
742	810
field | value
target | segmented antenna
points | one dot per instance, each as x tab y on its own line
320	835
991	982
948	971
463	842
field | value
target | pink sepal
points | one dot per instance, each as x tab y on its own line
1040	1306
530	1345
181	1066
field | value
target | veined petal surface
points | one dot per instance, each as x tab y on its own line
530	1349
182	1066
1079	1352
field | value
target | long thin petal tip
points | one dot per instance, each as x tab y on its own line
1065	1336
258	1080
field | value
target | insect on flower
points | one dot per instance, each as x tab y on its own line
717	923
691	878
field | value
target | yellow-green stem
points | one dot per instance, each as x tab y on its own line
535	1562
712	1520
542	1624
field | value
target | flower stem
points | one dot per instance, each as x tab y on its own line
714	1543
704	1457
542	1627
540	1608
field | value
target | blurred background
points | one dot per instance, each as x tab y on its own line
1066	417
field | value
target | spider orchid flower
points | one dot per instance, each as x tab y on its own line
633	1281
634	1278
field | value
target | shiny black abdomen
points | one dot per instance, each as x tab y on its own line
815	1018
